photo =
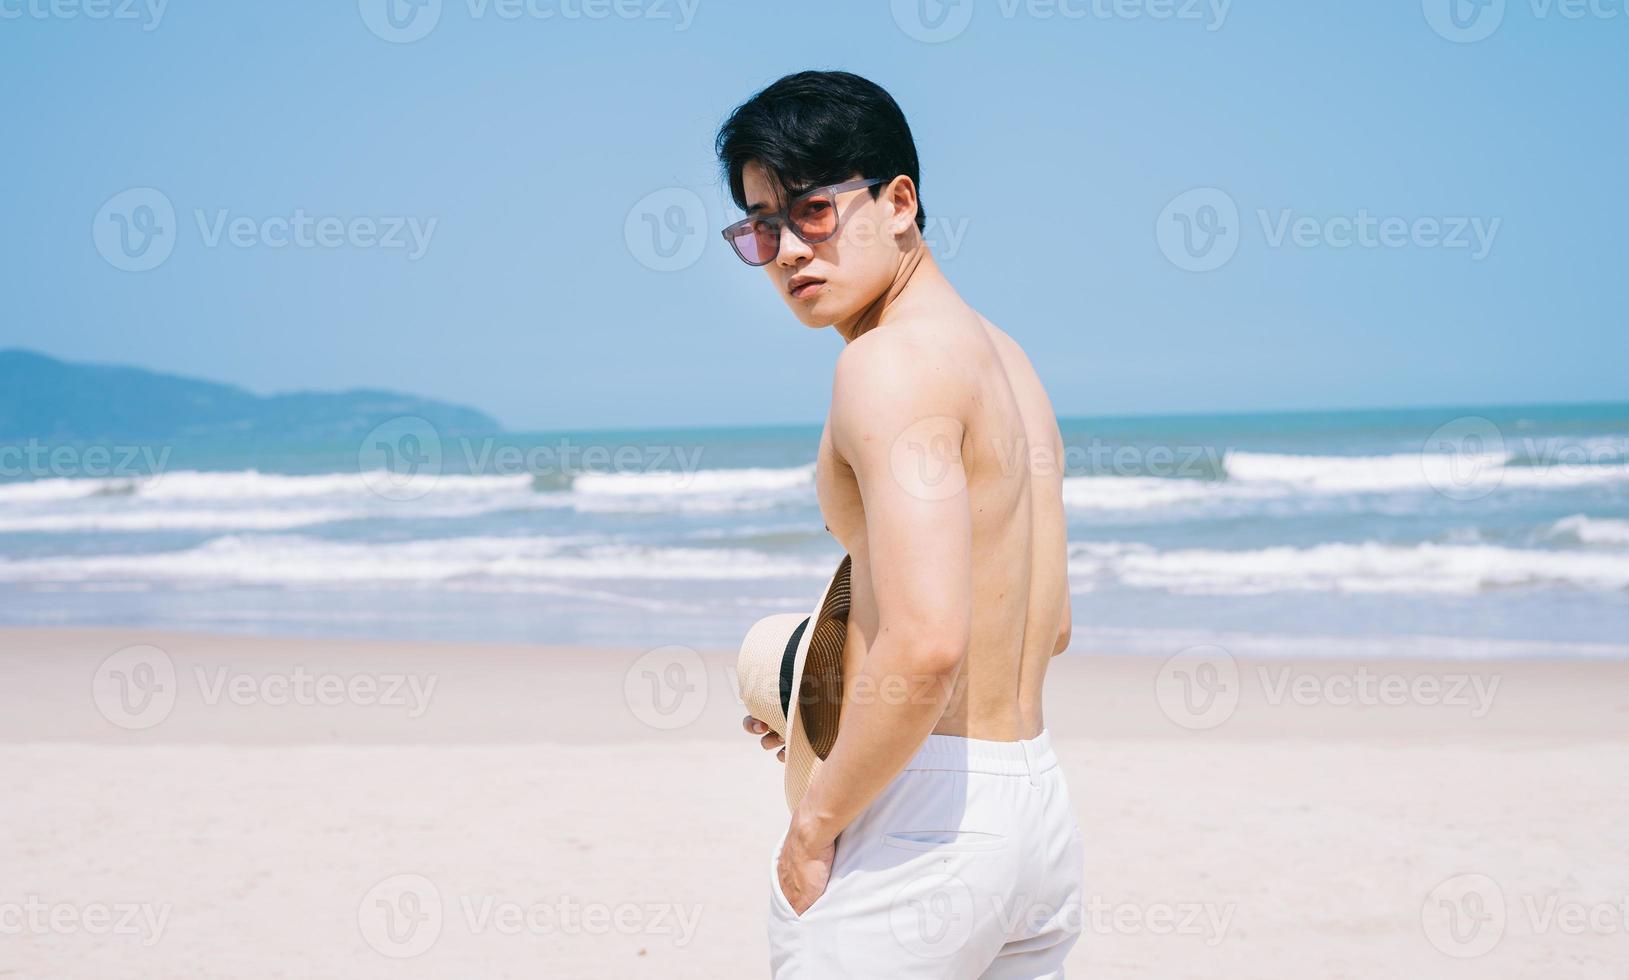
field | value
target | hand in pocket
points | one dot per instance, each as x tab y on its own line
804	872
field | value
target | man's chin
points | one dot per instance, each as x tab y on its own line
811	316
816	315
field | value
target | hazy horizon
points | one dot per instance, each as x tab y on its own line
795	424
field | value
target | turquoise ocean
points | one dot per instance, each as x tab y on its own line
1469	531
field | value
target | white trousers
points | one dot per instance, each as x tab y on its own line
969	864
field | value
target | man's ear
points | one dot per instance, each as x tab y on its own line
901	193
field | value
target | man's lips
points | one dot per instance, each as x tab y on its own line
804	288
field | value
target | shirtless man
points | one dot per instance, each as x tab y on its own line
940	472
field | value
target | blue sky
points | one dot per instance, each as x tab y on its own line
533	154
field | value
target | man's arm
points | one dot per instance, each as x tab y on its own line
896	421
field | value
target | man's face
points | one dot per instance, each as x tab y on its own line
831	280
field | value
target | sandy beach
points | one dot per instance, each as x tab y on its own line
192	805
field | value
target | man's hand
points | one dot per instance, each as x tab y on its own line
804	868
770	740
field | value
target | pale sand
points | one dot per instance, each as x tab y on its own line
1292	840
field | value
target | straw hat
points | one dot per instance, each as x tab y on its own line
788	652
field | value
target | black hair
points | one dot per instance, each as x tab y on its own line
819	127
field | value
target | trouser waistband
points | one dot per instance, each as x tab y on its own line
1030	756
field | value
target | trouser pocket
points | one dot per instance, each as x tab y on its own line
944	840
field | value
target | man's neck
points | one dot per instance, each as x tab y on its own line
917	271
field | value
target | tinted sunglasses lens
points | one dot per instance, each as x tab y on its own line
815	217
756	242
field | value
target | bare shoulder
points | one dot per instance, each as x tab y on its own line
889	380
908	360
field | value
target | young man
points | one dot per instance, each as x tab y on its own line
937	839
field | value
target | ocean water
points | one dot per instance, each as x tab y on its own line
1453	531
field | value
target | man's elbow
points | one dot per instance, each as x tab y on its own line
935	656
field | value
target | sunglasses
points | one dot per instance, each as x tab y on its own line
811	215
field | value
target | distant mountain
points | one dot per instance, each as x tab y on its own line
44	398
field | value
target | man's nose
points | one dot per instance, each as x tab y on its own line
792	248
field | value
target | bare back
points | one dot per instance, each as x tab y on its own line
1012	453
